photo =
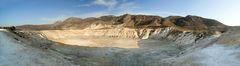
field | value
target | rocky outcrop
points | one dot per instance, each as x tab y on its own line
197	23
139	21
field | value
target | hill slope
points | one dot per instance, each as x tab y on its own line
135	21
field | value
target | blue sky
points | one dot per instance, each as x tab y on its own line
19	12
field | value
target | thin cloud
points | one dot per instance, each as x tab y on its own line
108	3
84	5
127	6
111	4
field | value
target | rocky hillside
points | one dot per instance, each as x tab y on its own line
134	21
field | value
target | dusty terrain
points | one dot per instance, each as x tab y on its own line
15	53
127	40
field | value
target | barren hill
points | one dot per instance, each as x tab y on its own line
135	21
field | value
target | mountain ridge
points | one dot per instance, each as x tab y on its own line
189	22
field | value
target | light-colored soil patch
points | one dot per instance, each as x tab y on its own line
76	37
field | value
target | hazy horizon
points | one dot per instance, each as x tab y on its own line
19	12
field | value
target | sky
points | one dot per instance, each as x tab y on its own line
20	12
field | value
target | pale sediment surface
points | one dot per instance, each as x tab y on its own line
93	38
